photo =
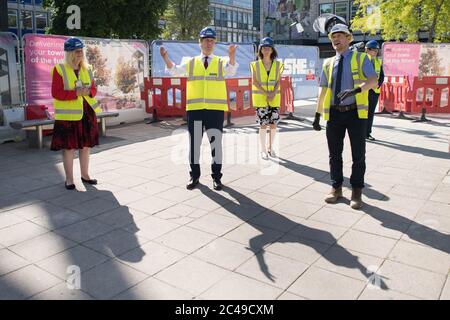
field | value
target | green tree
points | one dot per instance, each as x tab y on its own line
185	18
403	19
134	19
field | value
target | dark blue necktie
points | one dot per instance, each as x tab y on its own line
337	88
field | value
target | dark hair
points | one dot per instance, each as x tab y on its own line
273	55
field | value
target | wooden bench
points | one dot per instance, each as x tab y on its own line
38	125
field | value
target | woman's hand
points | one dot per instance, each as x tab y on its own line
270	95
85	91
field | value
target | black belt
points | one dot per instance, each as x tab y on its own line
345	108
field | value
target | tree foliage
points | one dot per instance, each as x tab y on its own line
132	19
185	18
403	19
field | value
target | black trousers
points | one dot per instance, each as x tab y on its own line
212	122
373	101
339	123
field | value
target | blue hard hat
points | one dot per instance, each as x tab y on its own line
266	42
372	44
72	44
207	33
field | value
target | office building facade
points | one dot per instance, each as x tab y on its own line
27	16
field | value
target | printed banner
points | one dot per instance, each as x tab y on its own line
119	69
179	52
302	64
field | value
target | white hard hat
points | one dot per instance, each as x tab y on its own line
340	28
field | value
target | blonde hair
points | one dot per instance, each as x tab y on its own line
69	58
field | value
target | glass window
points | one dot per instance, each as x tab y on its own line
229	18
250	21
12	18
211	12
341	9
230	37
223	17
325	8
241	21
354	10
235	19
38	2
27	19
41	20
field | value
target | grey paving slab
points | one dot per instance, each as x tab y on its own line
9	261
318	231
79	256
224	253
445	295
151	204
121	217
62	292
151	258
186	239
216	224
367	243
25	282
192	275
336	217
411	280
154	289
321	284
151	227
109	279
374	293
21	232
84	230
239	287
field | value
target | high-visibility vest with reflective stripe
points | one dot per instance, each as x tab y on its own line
206	88
377	64
72	110
362	99
268	82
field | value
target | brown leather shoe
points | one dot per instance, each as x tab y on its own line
356	202
334	195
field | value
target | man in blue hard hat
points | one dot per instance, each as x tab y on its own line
343	101
372	50
206	101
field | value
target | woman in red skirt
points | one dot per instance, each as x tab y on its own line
76	128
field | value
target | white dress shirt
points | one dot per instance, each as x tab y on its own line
181	70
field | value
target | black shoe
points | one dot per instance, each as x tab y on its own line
217	184
192	184
90	181
69	186
369	137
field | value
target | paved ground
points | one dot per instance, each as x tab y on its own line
141	235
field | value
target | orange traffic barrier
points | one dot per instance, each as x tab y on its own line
394	94
431	93
287	95
239	91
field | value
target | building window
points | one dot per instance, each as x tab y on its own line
223	17
235	19
250	21
38	2
41	20
230	37
12	18
354	10
325	8
241	21
211	13
245	18
27	20
341	9
229	18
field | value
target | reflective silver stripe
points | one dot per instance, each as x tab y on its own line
262	92
191	67
209	78
258	72
68	111
365	108
201	100
65	77
277	71
272	83
91	75
95	105
220	70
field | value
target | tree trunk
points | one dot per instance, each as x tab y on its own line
433	24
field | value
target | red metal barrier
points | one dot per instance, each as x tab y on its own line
287	95
241	105
394	94
157	89
431	93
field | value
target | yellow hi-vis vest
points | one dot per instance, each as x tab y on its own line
72	110
362	99
259	99
206	88
377	64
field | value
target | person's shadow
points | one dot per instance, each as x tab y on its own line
318	175
340	257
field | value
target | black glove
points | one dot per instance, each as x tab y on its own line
348	93
316	123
